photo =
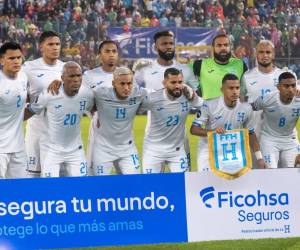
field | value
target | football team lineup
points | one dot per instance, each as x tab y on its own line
53	96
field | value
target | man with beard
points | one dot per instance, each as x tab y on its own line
281	111
41	72
262	79
212	70
152	75
169	108
224	113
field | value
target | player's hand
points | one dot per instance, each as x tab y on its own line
188	92
220	130
98	123
54	86
297	161
141	63
261	164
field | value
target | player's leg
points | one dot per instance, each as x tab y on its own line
32	145
152	164
202	156
75	163
187	150
51	164
17	165
4	160
270	152
288	156
130	164
179	162
101	165
91	141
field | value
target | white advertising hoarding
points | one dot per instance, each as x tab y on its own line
261	204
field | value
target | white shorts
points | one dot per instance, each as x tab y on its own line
13	165
275	152
177	162
202	156
91	142
129	164
33	140
74	163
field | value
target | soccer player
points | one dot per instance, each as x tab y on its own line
224	113
61	143
164	142
100	76
117	107
41	72
262	79
212	70
152	76
13	93
281	110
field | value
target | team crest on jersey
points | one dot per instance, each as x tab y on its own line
229	153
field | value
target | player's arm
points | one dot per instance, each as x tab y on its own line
243	90
297	161
258	104
36	107
54	86
145	103
198	125
254	144
196	67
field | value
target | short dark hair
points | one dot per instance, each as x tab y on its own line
163	33
219	36
229	77
172	71
9	46
47	34
286	75
101	45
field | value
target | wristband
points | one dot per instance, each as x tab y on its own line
258	155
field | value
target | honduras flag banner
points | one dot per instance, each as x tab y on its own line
229	153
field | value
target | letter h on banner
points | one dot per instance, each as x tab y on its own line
227	151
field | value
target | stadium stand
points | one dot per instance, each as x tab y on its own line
83	24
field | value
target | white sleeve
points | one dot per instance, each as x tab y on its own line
197	102
139	78
40	104
258	104
202	116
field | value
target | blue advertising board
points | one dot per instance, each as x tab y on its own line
92	211
138	42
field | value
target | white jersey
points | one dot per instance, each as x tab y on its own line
116	119
167	121
152	76
256	83
97	77
279	119
62	117
13	94
40	75
215	114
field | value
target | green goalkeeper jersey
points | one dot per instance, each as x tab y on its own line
212	73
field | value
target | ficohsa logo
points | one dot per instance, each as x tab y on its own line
273	205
